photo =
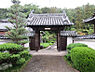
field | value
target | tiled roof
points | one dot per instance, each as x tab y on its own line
69	33
92	36
90	20
3	37
48	19
3	24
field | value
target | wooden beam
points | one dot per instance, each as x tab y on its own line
94	28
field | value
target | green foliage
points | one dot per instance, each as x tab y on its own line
15	57
51	10
14	54
4	57
73	45
29	7
45	45
11	47
18	31
70	47
3	13
83	59
48	36
25	54
20	61
77	16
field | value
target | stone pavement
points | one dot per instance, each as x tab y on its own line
48	60
51	50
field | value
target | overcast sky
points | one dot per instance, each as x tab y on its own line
50	3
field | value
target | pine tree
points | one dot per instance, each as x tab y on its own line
18	19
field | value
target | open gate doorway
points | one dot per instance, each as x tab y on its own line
35	40
48	40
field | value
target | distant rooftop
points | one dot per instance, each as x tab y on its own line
3	23
69	33
90	20
92	36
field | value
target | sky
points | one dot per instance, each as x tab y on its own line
50	3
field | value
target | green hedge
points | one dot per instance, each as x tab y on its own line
24	54
11	47
70	46
14	54
73	45
4	57
83	59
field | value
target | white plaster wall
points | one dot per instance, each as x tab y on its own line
69	40
26	45
89	42
4	41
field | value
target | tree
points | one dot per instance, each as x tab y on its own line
29	7
18	19
51	10
45	10
3	13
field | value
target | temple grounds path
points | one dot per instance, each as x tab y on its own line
48	60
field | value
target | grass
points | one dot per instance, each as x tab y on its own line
18	68
45	45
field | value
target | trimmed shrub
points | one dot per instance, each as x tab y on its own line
14	54
25	54
4	57
11	47
20	61
15	57
83	59
70	46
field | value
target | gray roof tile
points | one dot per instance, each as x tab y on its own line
92	36
3	24
3	36
69	33
89	20
48	19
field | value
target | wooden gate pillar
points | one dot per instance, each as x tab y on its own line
35	41
61	42
32	43
58	41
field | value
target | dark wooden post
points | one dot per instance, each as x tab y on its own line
37	40
32	43
94	28
58	40
63	41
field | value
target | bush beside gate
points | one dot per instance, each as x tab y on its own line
83	59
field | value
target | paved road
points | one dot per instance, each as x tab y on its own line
48	60
48	64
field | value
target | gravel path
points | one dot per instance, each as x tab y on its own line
46	63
